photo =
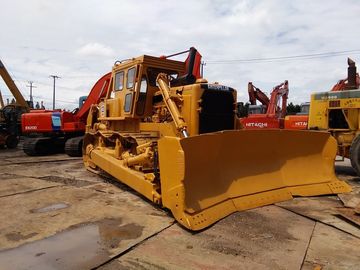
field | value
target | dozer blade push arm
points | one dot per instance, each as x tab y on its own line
179	121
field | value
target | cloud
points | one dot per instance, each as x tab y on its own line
94	35
95	49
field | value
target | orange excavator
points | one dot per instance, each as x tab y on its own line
351	82
55	131
269	114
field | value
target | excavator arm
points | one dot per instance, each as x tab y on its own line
256	94
12	87
351	82
279	91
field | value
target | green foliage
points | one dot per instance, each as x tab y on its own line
242	109
292	109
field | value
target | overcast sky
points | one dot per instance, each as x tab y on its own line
80	40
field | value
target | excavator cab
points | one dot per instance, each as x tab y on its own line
173	139
256	109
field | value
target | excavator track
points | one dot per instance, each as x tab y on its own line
43	146
73	146
11	141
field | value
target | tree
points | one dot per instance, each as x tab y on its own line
242	109
292	109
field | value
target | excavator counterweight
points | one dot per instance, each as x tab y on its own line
170	135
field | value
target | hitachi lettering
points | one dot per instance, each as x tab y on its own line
300	124
259	125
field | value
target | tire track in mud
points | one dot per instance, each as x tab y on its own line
29	191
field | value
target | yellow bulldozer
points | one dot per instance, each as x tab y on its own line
171	136
338	111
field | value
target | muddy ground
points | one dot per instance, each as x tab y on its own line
56	215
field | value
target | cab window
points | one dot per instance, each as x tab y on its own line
153	72
130	78
119	81
128	100
140	106
143	85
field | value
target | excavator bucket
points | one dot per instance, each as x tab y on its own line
207	177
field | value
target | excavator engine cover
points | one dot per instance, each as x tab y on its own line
207	177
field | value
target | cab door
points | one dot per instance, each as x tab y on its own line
141	99
129	90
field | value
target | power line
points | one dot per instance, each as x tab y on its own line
284	58
48	99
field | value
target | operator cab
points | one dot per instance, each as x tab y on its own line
256	109
304	108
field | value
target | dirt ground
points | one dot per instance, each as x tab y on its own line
56	215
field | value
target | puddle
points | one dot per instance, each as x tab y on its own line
51	207
82	246
67	181
111	233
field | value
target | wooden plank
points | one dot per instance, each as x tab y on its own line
332	249
323	209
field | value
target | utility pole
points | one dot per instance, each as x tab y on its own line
54	78
31	86
202	64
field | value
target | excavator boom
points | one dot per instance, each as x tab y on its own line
96	93
1	101
256	94
12	87
279	91
351	82
10	114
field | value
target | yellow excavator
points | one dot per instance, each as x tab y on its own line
171	136
10	114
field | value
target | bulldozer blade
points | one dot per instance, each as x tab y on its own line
207	177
